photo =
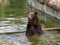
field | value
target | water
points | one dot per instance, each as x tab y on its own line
48	38
21	39
11	25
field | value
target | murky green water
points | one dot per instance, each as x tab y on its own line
12	20
11	25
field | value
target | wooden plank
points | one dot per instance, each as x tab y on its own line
50	28
12	32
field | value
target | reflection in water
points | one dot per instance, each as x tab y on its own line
45	39
21	39
34	39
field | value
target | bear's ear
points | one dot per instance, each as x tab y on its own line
35	13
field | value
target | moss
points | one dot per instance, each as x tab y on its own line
52	25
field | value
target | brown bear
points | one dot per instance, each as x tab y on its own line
33	26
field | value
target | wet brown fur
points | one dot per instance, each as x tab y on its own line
33	26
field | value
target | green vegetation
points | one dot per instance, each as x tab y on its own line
47	24
16	8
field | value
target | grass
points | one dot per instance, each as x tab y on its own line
47	24
15	7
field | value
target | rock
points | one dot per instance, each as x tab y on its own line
41	1
51	3
54	3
